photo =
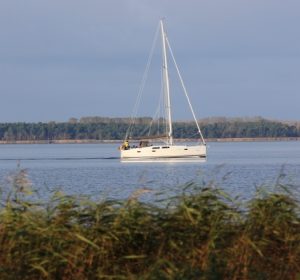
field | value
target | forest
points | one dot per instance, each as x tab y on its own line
101	128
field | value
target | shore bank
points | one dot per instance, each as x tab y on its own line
92	141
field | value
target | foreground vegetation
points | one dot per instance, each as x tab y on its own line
201	234
96	128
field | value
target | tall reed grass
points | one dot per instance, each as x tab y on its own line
201	234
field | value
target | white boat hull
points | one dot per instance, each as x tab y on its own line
165	153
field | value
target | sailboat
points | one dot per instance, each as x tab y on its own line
165	150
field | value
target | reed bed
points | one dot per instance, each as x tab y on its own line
201	234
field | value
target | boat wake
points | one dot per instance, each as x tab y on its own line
59	158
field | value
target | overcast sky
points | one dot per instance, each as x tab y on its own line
71	58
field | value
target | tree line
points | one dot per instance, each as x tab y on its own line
98	128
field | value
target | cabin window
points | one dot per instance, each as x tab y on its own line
185	149
165	147
138	151
155	148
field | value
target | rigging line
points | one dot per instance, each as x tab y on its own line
146	128
154	117
160	107
138	100
141	89
164	102
185	91
163	112
157	112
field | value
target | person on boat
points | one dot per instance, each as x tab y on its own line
143	143
126	145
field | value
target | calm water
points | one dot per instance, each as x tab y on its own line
95	170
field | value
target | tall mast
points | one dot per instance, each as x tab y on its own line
166	85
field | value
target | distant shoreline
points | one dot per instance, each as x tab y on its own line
90	141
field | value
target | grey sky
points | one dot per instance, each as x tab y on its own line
71	58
